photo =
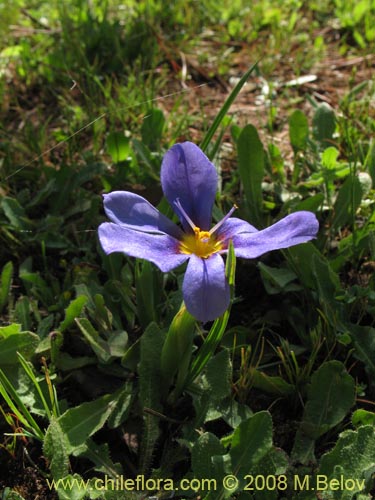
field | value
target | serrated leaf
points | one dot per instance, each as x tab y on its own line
73	310
352	457
55	448
218	375
98	345
84	420
151	345
202	452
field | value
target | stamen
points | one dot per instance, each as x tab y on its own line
221	222
190	222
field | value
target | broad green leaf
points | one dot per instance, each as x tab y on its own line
273	385
251	168
206	446
16	214
299	258
72	487
330	397
346	204
23	342
98	345
117	343
81	422
363	338
99	455
73	310
218	375
152	129
55	448
274	463
12	329
298	130
277	280
177	349
353	457
324	124
118	147
251	441
329	158
123	406
363	417
311	204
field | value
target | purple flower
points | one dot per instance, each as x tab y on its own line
189	181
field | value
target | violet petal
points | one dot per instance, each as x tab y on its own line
205	288
159	248
188	175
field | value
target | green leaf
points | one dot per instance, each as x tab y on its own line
346	204
352	457
55	448
202	452
329	158
273	385
5	283
73	310
224	109
277	280
324	124
123	406
251	168
299	258
370	162
150	391
218	375
177	349
363	338
251	441
117	343
23	342
363	417
16	214
152	129
81	422
72	487
330	397
298	130
98	345
118	147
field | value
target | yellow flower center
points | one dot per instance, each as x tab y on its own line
201	243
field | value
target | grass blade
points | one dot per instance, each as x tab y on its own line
223	111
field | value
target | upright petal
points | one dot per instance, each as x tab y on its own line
130	209
296	228
159	248
205	288
189	176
